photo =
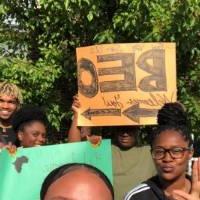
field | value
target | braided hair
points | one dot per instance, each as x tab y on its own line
11	89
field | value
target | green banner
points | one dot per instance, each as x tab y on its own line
22	174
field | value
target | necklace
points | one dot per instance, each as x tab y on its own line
4	127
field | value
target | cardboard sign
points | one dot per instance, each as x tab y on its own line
21	175
125	84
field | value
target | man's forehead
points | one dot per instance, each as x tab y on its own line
126	128
5	97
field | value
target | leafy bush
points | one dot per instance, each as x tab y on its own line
38	41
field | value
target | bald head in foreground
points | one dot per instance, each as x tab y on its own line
76	182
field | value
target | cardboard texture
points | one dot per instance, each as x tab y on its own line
125	84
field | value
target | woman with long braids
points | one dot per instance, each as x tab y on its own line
171	150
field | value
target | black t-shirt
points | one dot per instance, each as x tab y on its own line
150	189
8	135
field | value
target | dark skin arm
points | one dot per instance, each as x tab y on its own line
195	190
74	134
77	134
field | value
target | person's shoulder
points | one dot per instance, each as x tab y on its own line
141	149
139	192
144	149
114	148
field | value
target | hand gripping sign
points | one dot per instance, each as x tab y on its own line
22	173
125	84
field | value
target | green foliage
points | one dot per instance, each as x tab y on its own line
37	82
170	21
38	41
37	47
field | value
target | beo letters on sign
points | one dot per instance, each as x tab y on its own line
125	84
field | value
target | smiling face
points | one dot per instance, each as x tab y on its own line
169	168
8	105
32	134
79	184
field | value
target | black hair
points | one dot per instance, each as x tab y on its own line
64	169
172	116
27	115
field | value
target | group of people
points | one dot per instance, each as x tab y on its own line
155	172
20	126
170	151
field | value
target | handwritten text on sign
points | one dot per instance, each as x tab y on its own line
125	84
